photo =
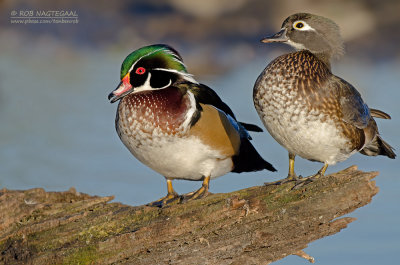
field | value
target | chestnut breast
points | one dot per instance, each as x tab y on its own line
162	110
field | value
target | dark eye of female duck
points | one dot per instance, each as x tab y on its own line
299	25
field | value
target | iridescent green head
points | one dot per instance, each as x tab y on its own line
150	68
158	55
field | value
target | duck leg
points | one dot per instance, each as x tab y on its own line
304	181
291	175
200	193
170	198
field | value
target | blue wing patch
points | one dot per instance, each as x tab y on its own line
238	127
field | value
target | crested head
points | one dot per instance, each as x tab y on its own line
149	68
160	55
305	31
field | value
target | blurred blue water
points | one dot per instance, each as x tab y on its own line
58	131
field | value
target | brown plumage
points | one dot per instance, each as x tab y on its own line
306	108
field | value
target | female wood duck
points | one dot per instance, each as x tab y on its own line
307	109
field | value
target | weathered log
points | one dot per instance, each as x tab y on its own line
257	225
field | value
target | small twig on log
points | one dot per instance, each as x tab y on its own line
257	225
304	255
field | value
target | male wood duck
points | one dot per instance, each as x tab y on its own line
307	109
177	126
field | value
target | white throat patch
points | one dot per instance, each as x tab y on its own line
297	46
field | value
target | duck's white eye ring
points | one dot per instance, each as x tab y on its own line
301	25
298	25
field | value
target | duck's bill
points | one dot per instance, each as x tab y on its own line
122	90
277	37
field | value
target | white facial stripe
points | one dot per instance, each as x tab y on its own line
145	87
168	51
133	65
189	78
186	76
168	70
305	26
175	57
170	82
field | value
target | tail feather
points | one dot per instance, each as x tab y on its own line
251	127
379	114
378	147
249	159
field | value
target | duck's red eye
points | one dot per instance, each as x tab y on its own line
140	70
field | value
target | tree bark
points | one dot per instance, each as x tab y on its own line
257	225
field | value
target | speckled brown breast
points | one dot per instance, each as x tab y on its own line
300	84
